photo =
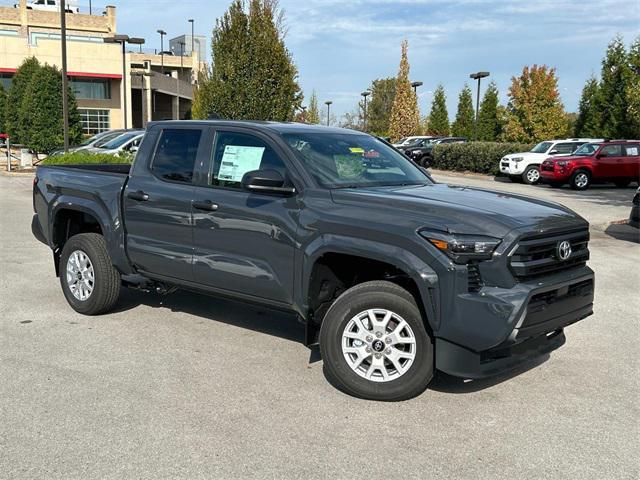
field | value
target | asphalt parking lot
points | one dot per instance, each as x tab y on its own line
188	386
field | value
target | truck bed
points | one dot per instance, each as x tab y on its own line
118	168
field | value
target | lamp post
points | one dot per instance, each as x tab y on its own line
162	34
365	94
415	86
328	104
65	80
123	40
193	42
478	76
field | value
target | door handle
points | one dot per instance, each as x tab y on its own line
140	196
207	205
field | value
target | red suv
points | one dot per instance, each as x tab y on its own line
613	161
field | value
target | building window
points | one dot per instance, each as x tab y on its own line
91	88
5	80
94	121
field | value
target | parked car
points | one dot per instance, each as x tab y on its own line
392	274
613	161
417	143
97	140
423	155
634	216
50	6
3	138
407	140
125	142
525	166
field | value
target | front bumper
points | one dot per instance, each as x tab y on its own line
534	328
511	168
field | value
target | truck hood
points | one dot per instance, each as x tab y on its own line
567	158
460	209
526	156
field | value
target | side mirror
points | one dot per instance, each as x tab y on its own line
601	155
265	181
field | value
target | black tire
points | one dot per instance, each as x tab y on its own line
529	176
106	283
362	297
622	183
576	180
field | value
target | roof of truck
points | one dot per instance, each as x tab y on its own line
280	127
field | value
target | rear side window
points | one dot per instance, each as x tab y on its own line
238	153
561	148
632	150
176	154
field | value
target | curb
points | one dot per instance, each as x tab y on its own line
4	173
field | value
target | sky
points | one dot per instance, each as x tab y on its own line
340	46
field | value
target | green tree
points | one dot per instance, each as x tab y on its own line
439	117
16	95
615	76
383	93
313	112
252	74
633	91
489	123
535	111
40	115
589	114
405	117
463	125
3	106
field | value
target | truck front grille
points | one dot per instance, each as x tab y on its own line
537	255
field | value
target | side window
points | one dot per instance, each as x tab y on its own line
611	150
238	153
176	153
632	150
561	148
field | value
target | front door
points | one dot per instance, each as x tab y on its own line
157	205
244	241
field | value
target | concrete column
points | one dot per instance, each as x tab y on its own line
147	101
175	108
24	20
111	18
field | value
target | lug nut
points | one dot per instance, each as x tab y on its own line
369	338
368	349
378	355
378	334
388	351
387	340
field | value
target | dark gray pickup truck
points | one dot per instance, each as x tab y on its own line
393	274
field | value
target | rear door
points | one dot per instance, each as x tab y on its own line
609	162
245	241
157	203
631	161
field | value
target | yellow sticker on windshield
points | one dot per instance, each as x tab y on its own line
356	150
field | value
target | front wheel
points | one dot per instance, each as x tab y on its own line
531	175
89	281
374	343
580	180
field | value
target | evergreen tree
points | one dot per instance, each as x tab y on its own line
589	114
16	95
383	94
3	106
535	111
489	124
313	112
252	74
463	125
405	118
439	117
613	91
40	115
633	91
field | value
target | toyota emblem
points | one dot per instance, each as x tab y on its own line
564	250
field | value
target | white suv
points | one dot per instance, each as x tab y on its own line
51	6
526	165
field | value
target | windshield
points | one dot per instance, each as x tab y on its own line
339	160
542	147
587	149
106	138
119	141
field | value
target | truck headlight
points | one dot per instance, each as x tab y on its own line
462	248
517	159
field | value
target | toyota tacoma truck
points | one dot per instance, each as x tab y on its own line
393	274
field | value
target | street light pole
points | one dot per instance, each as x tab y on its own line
65	80
328	104
365	94
478	76
162	34
415	86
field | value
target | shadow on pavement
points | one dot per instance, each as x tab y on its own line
242	315
623	232
598	194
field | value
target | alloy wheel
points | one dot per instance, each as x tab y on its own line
80	275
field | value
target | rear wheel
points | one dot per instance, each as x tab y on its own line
374	343
580	180
531	175
89	281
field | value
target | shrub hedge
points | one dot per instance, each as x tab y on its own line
82	157
477	157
